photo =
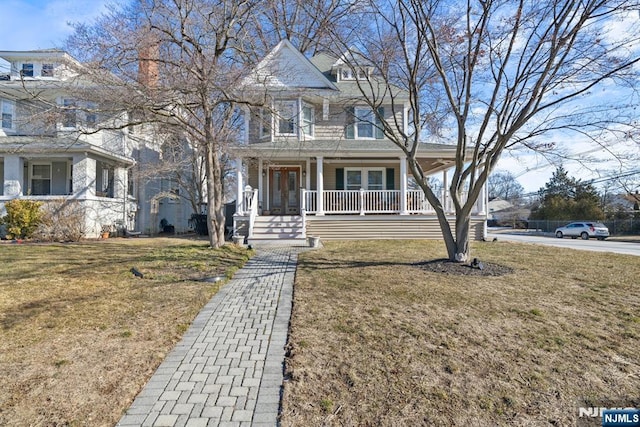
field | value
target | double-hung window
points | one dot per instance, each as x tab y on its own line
364	124
293	118
286	117
8	113
47	70
365	178
91	117
69	113
27	70
307	120
41	179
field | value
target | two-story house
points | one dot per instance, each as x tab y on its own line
315	162
54	146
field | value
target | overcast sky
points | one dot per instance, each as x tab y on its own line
42	24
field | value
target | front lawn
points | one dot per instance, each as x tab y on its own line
380	338
80	334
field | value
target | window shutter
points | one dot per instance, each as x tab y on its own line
339	178
391	178
349	130
379	132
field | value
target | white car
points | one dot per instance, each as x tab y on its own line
583	230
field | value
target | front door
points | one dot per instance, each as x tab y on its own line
285	191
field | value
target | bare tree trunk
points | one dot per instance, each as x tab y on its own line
215	192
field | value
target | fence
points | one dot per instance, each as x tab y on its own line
617	227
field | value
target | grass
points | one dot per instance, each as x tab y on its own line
377	340
80	334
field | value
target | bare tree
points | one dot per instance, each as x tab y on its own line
174	65
308	25
488	75
504	185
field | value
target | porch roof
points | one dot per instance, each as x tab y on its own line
340	148
46	145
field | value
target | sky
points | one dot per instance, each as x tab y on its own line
42	24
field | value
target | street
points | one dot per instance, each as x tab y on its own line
629	248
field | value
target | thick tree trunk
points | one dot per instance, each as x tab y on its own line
215	193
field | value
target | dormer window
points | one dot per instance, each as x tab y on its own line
27	70
47	70
346	74
350	74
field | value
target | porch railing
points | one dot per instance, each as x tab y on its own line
251	201
362	202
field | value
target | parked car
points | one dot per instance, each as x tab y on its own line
583	230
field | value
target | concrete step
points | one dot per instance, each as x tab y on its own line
282	227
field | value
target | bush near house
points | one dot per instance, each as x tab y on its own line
22	219
62	221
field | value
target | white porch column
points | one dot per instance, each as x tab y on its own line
445	191
261	188
403	186
13	174
84	176
320	185
120	183
481	204
307	182
239	188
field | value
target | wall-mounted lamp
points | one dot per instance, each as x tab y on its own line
304	174
264	173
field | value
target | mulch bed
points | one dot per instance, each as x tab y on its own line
464	269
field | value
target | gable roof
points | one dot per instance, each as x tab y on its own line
285	67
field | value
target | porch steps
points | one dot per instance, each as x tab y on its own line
283	227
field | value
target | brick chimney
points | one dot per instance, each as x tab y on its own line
148	55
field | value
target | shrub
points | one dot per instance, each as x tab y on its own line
23	218
63	221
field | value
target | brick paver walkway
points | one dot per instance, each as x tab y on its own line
228	368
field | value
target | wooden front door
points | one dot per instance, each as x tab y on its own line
284	191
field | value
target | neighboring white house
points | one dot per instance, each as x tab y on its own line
53	147
314	161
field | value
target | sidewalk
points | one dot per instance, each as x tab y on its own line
228	368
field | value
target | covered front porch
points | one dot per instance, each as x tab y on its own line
315	195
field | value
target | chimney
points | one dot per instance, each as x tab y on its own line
148	55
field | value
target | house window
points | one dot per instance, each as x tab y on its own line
47	70
91	117
349	74
69	115
104	181
364	118
364	124
8	108
27	70
286	117
265	120
375	179
41	179
354	179
307	120
346	74
130	185
365	178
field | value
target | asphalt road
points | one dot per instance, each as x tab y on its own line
629	248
